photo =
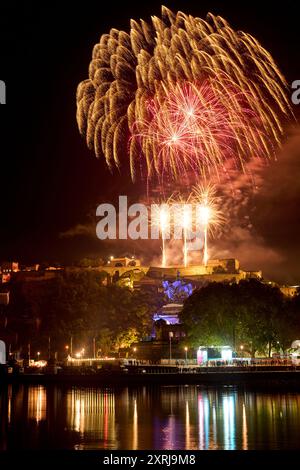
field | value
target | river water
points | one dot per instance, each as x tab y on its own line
157	417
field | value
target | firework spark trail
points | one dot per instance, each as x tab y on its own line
237	94
160	218
179	217
193	129
172	216
209	213
183	221
205	196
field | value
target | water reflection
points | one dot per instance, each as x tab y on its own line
229	422
9	396
37	403
245	431
148	418
135	428
187	426
92	412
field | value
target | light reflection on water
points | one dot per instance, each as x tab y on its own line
148	418
37	403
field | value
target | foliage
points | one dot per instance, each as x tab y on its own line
77	304
251	313
126	338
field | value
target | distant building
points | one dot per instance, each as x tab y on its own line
195	276
217	270
34	267
123	262
10	267
289	291
169	313
230	265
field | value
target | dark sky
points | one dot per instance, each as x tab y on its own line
50	182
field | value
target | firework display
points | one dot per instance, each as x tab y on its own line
196	217
181	96
186	100
211	217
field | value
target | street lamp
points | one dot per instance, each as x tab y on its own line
186	350
134	352
170	339
38	354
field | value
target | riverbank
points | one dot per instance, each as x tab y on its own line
262	377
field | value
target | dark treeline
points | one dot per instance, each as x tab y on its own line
77	305
83	306
250	314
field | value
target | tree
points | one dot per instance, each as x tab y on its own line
250	313
288	325
77	304
208	316
259	306
105	342
125	339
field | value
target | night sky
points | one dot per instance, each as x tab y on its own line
51	184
